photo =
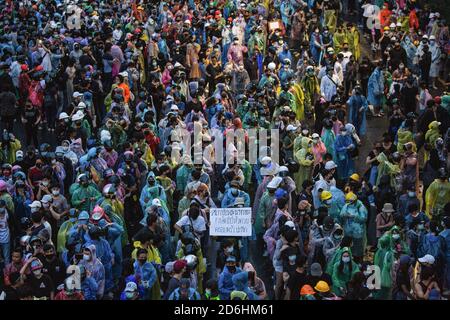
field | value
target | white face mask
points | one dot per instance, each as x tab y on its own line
396	236
37	272
86	257
346	259
55	192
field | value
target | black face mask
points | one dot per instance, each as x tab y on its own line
232	269
142	261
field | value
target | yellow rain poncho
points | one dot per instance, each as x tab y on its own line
298	105
437	196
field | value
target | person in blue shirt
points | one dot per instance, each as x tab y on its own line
226	285
343	145
145	272
414	215
185	292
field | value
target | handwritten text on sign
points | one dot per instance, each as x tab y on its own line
236	222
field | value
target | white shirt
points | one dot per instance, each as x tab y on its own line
198	224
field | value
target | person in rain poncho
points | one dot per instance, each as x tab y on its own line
85	196
354	216
240	282
311	88
375	89
145	272
358	106
437	194
344	145
318	149
103	252
384	259
431	136
343	271
266	206
306	159
332	243
435	60
329	84
63	232
152	190
95	268
328	138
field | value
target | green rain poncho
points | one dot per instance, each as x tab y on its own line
431	136
340	277
437	196
306	160
311	86
63	233
384	259
404	136
386	168
328	139
85	193
339	38
182	177
265	208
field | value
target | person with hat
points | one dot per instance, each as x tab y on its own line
343	271
41	284
324	292
354	216
226	285
130	292
179	268
305	158
385	219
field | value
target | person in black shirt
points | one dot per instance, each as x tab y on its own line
409	96
53	266
297	280
402	285
31	118
41	284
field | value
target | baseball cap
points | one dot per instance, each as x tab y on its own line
156	202
35	204
76	94
291	128
179	265
428	258
46	198
131	287
330	165
19	154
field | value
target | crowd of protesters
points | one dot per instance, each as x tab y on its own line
96	97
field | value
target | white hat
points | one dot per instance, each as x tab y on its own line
156	202
177	65
330	165
266	160
291	128
283	169
123	74
392	25
187	21
398	24
432	37
76	94
425	36
428	258
432	15
82	105
271	66
78	116
274	183
131	287
174	107
19	154
46	198
63	115
315	136
35	204
290	224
